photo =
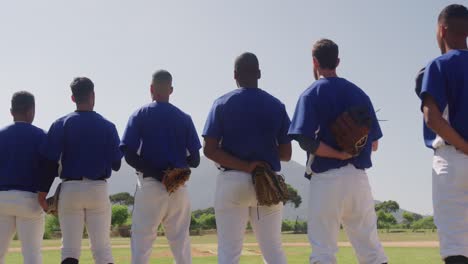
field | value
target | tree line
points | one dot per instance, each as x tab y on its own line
204	219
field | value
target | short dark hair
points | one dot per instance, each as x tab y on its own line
22	102
81	87
326	53
247	62
455	17
162	76
247	66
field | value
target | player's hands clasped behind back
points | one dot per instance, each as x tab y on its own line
345	155
465	148
41	198
254	164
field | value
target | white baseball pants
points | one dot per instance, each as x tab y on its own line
450	200
153	206
21	212
85	203
235	204
342	196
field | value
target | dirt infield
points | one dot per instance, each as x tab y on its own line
204	250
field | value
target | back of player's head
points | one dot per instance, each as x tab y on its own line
161	86
22	102
247	69
82	88
325	52
455	19
162	77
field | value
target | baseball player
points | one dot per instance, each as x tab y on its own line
245	128
339	187
157	138
445	105
87	146
20	170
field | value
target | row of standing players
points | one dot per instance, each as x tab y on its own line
244	127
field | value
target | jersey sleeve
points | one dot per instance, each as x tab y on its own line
305	121
116	153
282	136
193	142
213	126
434	84
53	144
132	137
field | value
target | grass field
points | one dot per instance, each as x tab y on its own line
204	250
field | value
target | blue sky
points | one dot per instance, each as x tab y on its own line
119	44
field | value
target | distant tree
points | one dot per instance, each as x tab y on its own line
287	225
300	227
387	206
119	215
51	225
424	223
385	220
207	221
417	216
194	223
408	219
199	212
123	198
294	198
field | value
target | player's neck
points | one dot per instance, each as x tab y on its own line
326	73
161	98
456	44
84	108
252	84
21	119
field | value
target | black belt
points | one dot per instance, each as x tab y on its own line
81	179
158	175
222	168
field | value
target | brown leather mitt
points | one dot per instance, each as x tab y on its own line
270	187
52	202
174	178
351	130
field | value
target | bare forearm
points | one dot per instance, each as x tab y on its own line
441	127
436	122
325	151
227	160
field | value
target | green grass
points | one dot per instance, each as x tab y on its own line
296	254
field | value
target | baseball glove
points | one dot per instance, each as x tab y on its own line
174	178
351	129
270	187
52	202
419	80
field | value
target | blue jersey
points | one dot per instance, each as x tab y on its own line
318	107
20	157
162	134
250	123
86	144
446	80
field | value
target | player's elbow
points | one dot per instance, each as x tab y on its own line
210	147
208	151
431	120
285	152
285	157
375	146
